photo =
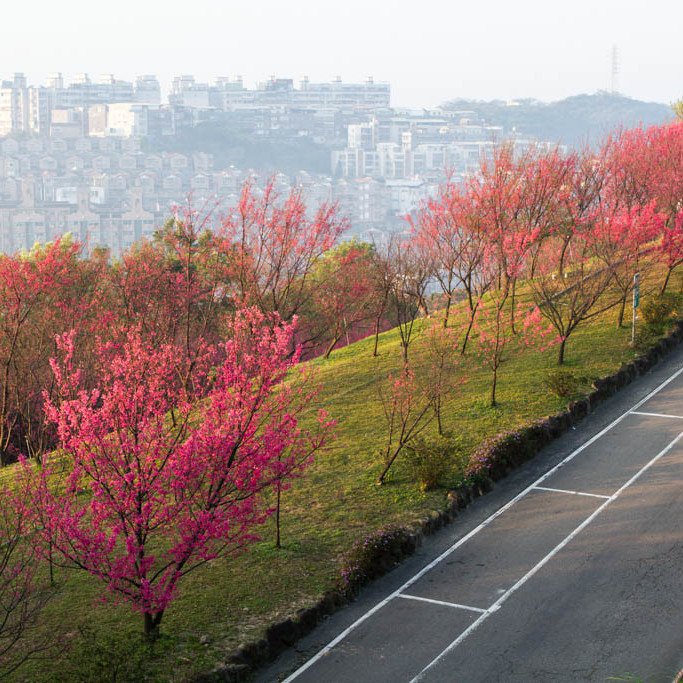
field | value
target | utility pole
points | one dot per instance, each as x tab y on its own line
614	79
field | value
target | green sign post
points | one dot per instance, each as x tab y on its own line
636	303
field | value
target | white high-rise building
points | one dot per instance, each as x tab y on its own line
14	105
147	90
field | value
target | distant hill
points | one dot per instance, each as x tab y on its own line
229	145
572	121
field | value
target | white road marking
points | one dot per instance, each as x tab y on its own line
475	531
496	605
573	493
674	417
441	602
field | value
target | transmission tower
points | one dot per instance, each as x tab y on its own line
614	78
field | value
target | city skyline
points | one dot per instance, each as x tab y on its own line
429	54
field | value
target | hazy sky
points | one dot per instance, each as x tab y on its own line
429	50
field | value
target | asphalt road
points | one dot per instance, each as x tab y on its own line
570	570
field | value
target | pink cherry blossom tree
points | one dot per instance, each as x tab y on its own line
151	484
499	336
671	247
408	411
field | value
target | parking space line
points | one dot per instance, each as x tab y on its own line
573	493
441	602
416	577
497	605
673	417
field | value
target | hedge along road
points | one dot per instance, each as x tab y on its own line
571	569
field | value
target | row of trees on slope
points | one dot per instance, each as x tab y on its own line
575	228
529	249
571	229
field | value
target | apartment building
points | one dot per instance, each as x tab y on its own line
62	110
15	105
228	94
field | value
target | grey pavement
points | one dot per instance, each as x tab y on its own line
569	570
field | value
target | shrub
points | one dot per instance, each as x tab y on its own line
371	556
508	447
658	310
646	338
429	460
562	382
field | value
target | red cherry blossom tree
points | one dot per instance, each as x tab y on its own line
382	274
344	292
571	285
499	194
42	293
499	336
442	233
666	188
439	361
625	242
407	296
176	288
276	246
671	247
408	411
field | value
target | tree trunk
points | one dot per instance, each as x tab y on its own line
467	333
330	348
493	387
512	306
666	280
560	355
277	517
390	462
622	309
50	563
448	310
377	323
152	622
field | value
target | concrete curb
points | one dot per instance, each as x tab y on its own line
281	635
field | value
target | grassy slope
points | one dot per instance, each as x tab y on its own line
231	601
